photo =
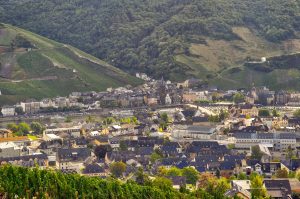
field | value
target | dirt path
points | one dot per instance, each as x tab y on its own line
38	78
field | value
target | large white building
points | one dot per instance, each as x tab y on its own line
280	141
72	131
193	132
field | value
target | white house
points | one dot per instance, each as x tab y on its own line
8	111
9	149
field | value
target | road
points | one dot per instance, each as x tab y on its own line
202	109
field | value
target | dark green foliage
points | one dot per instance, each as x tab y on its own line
238	98
218	118
264	113
22	181
117	168
19	110
145	35
37	127
20	129
256	153
297	113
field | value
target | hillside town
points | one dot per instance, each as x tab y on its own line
160	128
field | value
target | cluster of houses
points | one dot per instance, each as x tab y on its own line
240	141
151	93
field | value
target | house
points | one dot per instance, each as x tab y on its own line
189	97
249	109
72	159
294	164
27	161
94	170
171	149
178	181
243	110
71	131
30	106
94	133
8	111
114	142
240	188
79	143
279	122
278	188
282	97
198	148
227	168
269	168
151	100
5	133
9	149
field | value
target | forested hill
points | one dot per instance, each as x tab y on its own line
208	39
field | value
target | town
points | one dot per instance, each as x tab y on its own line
188	133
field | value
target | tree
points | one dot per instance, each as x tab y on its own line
289	153
23	128
191	175
222	186
90	119
142	178
173	171
275	113
13	127
223	115
164	117
37	127
231	146
256	153
282	173
264	113
297	113
242	176
117	168
238	98
257	189
108	121
123	146
19	110
155	156
162	183
68	119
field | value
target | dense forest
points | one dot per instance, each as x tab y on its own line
140	35
21	182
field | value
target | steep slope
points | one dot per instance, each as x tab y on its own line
172	38
32	66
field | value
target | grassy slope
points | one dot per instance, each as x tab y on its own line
48	71
217	57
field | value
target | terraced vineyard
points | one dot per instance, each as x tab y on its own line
35	67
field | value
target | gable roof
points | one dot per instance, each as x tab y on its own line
278	188
77	154
93	168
